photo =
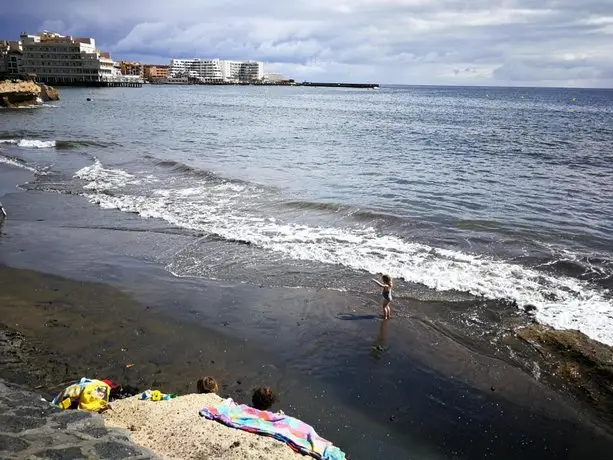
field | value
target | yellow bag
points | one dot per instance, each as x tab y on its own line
94	396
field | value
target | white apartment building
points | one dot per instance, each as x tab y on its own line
247	71
217	70
66	60
207	70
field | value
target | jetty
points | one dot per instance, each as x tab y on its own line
125	81
340	85
121	81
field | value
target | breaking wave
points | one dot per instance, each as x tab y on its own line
561	301
29	143
181	168
47	144
16	163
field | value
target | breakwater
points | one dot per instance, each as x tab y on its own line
340	85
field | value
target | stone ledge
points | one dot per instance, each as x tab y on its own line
31	429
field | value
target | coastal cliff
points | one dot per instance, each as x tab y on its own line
19	93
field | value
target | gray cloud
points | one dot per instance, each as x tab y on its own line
523	42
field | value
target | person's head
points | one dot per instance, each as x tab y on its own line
263	398
386	279
207	385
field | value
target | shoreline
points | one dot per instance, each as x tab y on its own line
403	378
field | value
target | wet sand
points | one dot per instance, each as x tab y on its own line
407	388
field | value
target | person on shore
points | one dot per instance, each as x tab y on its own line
207	385
263	398
387	284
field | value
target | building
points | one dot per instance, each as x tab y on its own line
205	70
131	68
155	72
217	70
10	57
273	78
67	60
245	72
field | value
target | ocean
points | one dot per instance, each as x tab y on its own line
264	213
496	193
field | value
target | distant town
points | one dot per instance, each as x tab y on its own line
64	60
61	60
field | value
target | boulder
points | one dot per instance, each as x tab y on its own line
48	93
18	93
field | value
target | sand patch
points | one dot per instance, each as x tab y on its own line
175	430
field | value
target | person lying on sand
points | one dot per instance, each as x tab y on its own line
207	385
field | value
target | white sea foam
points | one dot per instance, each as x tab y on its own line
29	143
562	302
17	164
101	178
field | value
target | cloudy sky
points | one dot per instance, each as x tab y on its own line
470	42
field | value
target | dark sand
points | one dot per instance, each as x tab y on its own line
408	388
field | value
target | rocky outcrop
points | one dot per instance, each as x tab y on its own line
48	93
582	364
32	428
19	93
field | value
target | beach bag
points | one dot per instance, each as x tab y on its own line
87	394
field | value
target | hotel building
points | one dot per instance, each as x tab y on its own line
66	60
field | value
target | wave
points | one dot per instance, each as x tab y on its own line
29	143
184	169
57	144
71	144
103	179
561	301
316	206
17	163
39	105
593	268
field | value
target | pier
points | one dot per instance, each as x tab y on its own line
125	81
340	85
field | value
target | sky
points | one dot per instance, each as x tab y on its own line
442	42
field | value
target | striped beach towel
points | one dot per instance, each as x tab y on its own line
295	433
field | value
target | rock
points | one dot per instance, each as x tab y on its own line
19	93
16	93
12	444
582	364
529	309
48	93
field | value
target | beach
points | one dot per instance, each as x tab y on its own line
176	330
148	269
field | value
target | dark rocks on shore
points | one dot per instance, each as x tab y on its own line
19	93
31	428
582	364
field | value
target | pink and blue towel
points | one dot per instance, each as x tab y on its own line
295	433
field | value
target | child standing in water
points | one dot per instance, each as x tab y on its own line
386	284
